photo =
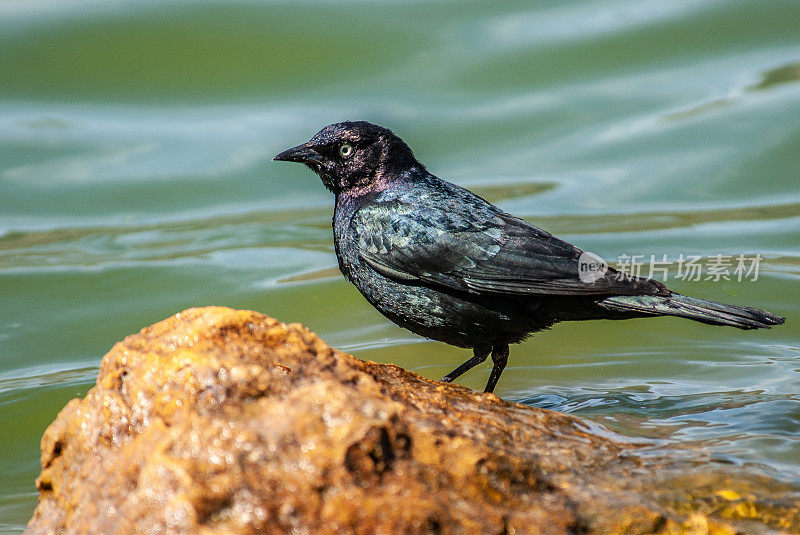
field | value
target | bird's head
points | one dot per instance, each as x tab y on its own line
353	155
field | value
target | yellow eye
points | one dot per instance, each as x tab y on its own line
346	150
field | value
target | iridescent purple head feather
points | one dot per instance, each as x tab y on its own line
353	155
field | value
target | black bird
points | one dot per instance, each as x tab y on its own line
444	263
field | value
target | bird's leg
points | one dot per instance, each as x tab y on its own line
479	354
500	358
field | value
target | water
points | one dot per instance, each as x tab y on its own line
135	181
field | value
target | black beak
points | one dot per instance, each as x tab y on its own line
301	154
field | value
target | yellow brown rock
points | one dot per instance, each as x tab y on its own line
224	421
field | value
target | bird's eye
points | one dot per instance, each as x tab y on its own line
346	150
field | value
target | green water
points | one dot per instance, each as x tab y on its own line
135	181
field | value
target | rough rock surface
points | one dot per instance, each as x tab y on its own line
225	421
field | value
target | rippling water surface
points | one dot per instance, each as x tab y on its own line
135	181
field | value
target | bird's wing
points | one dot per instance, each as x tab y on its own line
478	251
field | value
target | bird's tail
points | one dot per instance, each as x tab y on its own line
695	309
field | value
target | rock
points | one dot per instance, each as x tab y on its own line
224	421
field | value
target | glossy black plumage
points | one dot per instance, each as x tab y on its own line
446	264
